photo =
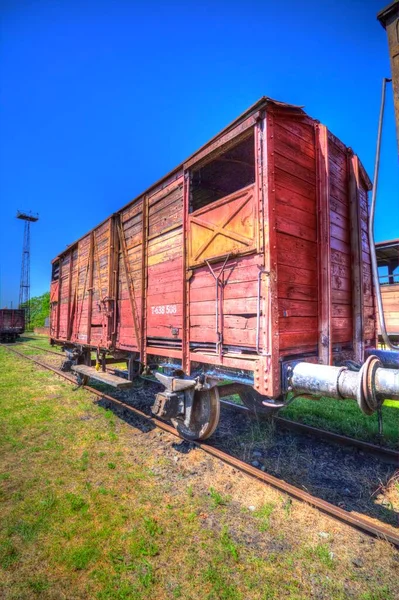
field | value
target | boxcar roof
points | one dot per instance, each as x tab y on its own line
259	105
387	250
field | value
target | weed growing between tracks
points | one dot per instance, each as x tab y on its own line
91	507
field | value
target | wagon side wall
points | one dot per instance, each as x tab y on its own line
129	276
390	302
369	300
340	242
296	237
82	283
12	320
321	223
164	273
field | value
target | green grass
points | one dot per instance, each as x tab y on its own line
217	499
344	416
85	513
41	341
263	514
322	554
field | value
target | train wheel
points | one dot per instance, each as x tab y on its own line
205	416
253	401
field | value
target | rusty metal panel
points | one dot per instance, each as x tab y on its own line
225	227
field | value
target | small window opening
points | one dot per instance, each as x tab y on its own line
55	274
383	274
229	172
388	274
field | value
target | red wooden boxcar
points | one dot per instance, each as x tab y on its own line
249	256
12	324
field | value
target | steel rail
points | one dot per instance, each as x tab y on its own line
342	515
60	354
387	455
39	348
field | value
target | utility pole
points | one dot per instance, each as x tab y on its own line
24	287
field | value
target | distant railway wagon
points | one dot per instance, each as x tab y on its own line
250	262
388	267
12	324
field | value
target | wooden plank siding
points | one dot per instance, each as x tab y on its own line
296	227
390	302
369	303
237	304
340	241
164	294
79	331
129	301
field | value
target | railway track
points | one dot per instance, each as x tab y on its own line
359	522
39	348
384	454
387	455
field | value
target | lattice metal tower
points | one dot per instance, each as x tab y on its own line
24	287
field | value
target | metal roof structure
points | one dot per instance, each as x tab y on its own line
387	251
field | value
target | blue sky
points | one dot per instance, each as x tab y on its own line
100	99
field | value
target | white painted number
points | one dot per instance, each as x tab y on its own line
168	309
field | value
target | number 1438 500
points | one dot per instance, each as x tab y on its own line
164	309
